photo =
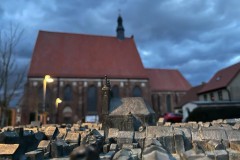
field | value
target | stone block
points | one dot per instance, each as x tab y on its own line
67	149
106	148
113	147
123	154
44	145
210	155
73	137
226	127
191	155
176	157
139	137
125	137
57	148
62	133
35	155
155	152
199	147
221	155
235	145
151	141
83	135
112	133
213	134
40	136
233	135
196	137
127	146
233	155
51	132
179	141
135	145
236	126
163	134
167	124
215	145
98	132
160	121
8	151
137	151
232	121
46	155
107	156
187	136
206	124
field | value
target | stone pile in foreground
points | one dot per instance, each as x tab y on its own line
216	140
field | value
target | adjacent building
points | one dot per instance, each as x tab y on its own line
223	86
78	63
167	89
219	98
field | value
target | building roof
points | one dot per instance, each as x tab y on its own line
167	80
77	55
222	78
133	105
191	95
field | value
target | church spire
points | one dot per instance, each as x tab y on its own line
120	29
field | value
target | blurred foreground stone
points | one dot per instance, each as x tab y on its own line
217	140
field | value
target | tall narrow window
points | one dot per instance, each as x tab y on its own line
67	93
115	91
168	103
220	97
92	99
205	97
212	97
137	92
159	103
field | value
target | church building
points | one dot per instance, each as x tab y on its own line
77	63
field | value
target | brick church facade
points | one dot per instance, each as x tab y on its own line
78	63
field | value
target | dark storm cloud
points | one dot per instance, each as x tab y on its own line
196	37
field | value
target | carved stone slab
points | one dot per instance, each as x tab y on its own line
72	137
8	149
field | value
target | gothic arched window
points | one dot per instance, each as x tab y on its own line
115	91
137	92
168	103
92	99
67	93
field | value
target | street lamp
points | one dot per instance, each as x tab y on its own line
47	79
58	100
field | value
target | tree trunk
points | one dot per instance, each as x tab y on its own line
3	117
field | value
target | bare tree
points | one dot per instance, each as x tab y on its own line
10	78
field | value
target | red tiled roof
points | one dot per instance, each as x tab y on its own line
79	55
191	95
167	80
222	78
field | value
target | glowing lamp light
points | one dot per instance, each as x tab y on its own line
48	79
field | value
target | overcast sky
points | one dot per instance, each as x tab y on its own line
198	37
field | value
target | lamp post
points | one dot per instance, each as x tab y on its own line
47	79
58	100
